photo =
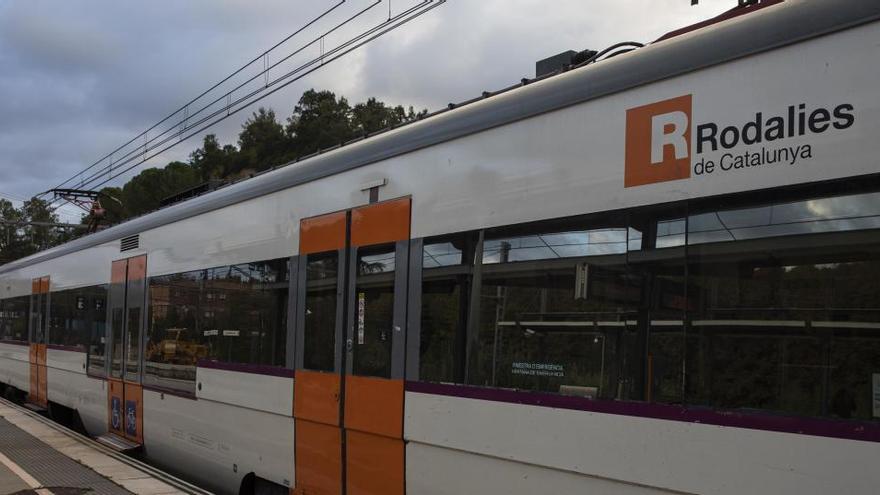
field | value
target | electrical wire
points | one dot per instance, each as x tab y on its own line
185	123
143	153
213	87
350	46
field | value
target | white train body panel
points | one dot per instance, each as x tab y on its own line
670	455
562	163
14	369
217	444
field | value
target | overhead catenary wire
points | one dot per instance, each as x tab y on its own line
213	87
381	32
186	123
187	127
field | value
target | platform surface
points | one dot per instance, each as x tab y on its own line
41	457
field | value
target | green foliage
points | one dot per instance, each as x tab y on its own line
18	239
144	192
319	121
262	142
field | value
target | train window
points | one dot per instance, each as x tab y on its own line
816	215
76	316
551	245
447	270
173	347
233	314
793	328
14	314
117	327
656	365
38	307
246	306
374	311
788	318
319	334
557	309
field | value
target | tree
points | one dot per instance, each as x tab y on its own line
39	237
19	238
212	160
144	192
262	142
373	115
12	245
319	121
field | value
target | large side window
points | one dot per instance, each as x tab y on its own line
234	314
447	272
246	305
557	309
76	316
659	259
736	303
788	319
173	346
14	319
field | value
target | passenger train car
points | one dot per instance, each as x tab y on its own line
659	273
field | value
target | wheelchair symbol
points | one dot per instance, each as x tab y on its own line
115	413
131	417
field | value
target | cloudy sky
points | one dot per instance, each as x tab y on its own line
80	77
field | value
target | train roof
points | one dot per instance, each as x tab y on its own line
778	25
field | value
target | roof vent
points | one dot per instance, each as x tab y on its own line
129	243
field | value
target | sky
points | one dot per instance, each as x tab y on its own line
80	77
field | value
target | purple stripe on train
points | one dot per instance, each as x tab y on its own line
255	369
845	429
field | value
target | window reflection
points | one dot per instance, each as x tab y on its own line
446	282
539	330
76	316
789	325
835	214
556	245
232	314
38	307
14	313
322	270
374	311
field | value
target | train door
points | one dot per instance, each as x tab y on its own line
348	400
38	391
125	396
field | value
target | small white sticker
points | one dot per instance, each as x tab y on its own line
362	305
875	392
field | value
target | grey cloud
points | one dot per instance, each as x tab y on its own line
79	77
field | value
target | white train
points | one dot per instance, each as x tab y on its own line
659	273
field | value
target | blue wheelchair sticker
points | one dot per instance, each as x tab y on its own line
115	413
131	417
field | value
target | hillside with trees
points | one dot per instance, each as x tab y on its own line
320	120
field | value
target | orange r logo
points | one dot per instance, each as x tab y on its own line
658	142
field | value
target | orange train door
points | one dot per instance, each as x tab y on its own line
348	400
127	301
38	393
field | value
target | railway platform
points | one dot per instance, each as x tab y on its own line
38	456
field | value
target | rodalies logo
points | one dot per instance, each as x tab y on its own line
659	135
658	142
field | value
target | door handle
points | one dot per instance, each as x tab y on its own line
349	345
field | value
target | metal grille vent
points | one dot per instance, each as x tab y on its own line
130	242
